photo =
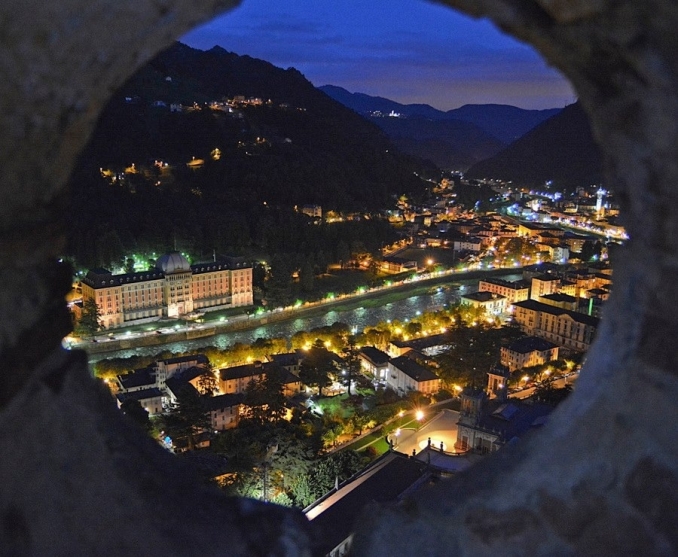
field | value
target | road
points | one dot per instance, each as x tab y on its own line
557	383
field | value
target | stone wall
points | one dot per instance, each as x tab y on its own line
602	478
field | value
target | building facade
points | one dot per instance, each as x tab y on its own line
374	362
235	380
567	329
173	289
517	291
543	286
405	375
528	351
492	303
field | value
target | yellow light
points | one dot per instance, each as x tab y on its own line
525	378
419	415
401	414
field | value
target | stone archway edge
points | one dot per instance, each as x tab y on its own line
602	478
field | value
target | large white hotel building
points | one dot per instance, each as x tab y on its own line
174	288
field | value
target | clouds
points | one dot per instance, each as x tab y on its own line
407	50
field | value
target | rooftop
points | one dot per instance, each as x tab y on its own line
413	369
553	310
530	344
376	356
386	481
510	420
482	296
137	378
143	394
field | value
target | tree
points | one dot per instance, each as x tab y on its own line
207	382
129	265
316	367
90	320
279	283
343	253
325	473
264	399
547	393
138	414
188	417
590	250
352	363
306	275
413	328
359	420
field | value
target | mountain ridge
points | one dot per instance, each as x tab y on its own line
176	161
560	149
505	122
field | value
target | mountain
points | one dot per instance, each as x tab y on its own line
172	163
504	122
455	139
450	144
304	146
560	149
365	104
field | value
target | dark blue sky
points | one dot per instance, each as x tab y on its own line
410	51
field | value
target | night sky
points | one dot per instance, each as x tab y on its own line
410	51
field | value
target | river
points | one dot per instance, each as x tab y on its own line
371	312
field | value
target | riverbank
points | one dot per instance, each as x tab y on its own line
167	333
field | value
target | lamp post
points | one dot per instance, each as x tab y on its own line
419	415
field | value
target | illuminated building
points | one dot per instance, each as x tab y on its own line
528	351
567	329
173	289
492	303
544	285
517	291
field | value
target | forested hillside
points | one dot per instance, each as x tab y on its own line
176	161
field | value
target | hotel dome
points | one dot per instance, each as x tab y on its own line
173	262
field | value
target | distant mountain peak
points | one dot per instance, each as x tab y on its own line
216	49
560	149
504	122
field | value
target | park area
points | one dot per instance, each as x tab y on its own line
379	421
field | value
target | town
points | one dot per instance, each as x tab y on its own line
328	418
299	421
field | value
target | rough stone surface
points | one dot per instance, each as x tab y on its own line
602	478
78	480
